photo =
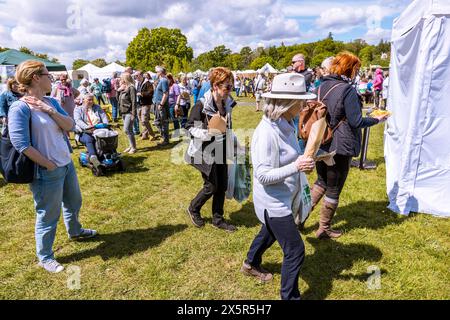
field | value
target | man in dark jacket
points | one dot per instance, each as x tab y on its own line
299	66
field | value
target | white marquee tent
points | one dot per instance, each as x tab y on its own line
267	68
417	148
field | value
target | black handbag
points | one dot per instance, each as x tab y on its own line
15	167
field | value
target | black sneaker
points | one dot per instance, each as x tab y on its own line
224	226
196	219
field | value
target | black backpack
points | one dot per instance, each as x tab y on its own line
15	167
106	86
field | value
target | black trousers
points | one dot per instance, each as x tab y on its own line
333	178
215	185
286	233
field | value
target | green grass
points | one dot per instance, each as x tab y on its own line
147	249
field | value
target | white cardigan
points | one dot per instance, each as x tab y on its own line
277	184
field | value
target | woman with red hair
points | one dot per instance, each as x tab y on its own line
345	117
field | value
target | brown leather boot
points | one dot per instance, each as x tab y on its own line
317	192
326	215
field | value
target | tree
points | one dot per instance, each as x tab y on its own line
160	46
367	55
101	63
79	63
3	49
26	50
258	63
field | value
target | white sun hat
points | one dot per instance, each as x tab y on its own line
289	86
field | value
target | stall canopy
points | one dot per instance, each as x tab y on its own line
268	69
417	150
90	68
113	67
15	57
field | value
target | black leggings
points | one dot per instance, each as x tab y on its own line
333	178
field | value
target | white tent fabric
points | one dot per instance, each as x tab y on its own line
113	67
417	150
267	68
90	68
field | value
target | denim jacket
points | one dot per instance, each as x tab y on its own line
6	100
81	118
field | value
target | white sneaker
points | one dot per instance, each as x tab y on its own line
94	160
51	266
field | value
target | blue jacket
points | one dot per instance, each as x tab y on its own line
7	98
205	88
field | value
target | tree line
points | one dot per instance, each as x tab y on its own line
169	47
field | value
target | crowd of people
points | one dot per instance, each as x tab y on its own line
276	151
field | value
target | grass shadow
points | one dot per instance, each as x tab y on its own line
134	164
333	258
2	183
362	214
126	243
246	216
171	145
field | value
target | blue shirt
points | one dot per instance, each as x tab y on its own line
161	89
45	136
205	88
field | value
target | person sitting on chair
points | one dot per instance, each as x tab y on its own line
86	117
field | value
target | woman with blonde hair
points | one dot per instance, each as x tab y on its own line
128	108
56	182
345	117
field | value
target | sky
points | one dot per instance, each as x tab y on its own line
90	29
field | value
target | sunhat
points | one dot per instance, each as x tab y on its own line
289	86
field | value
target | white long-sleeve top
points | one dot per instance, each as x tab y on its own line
277	184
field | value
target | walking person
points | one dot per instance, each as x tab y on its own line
96	89
65	94
385	90
112	96
128	109
174	103
56	183
161	102
146	100
208	148
185	101
378	88
345	112
277	185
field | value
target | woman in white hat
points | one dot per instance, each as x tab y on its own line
276	189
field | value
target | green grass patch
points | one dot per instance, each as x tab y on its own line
147	248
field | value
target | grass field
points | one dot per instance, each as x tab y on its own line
147	248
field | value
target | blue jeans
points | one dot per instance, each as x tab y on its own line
238	90
115	108
51	191
128	129
184	120
285	232
136	129
89	141
176	123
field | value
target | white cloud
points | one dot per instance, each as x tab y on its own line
103	28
